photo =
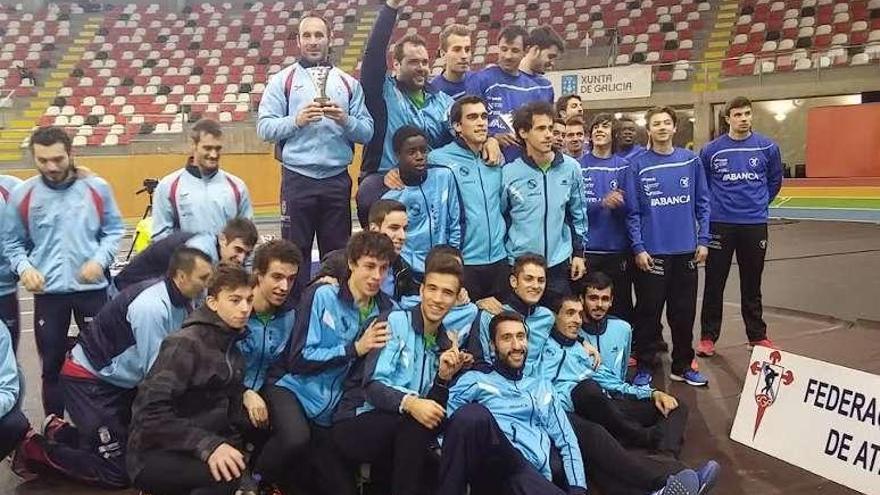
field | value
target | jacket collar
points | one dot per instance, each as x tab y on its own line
71	178
177	299
520	306
508	372
562	339
308	65
464	146
596	327
418	325
383	302
558	158
193	169
205	317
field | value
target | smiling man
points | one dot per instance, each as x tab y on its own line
200	197
431	199
314	142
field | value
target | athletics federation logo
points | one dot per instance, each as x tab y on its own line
532	183
569	84
464	171
753	162
685	182
767	390
613	184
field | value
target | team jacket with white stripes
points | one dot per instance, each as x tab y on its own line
121	344
264	343
504	94
608	232
612	336
153	261
544	210
528	412
671	212
744	177
186	201
321	349
10	385
479	190
56	229
455	90
566	364
433	211
8	278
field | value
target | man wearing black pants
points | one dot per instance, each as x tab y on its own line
744	174
668	223
395	401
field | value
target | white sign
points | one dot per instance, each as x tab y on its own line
609	83
819	416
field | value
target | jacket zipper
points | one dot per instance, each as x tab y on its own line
262	355
424	359
428	212
546	207
561	362
485	210
229	359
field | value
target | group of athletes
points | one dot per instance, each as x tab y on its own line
475	334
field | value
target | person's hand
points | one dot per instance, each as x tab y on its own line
644	261
463	297
256	409
451	360
490	305
90	272
701	254
508	139
375	337
427	412
33	280
392	179
226	463
613	199
335	113
395	4
491	152
309	114
578	268
594	354
664	402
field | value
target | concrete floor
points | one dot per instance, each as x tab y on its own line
820	290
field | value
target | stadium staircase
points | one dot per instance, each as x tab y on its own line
709	71
49	81
357	39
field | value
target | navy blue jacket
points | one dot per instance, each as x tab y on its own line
608	233
153	262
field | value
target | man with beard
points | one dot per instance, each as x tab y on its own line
569	106
543	202
61	231
479	188
315	141
455	49
395	401
606	180
431	198
200	197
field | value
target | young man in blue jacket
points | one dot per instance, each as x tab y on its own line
542	200
744	173
110	360
479	189
505	87
60	232
432	201
668	221
597	402
606	177
331	332
316	142
200	197
455	50
8	277
395	400
14	425
503	424
233	245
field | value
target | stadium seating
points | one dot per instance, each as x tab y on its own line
772	36
29	39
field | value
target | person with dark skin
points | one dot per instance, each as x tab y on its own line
627	147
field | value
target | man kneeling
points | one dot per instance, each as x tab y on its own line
188	418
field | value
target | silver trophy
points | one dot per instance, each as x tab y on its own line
319	74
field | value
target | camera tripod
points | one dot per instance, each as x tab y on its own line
149	187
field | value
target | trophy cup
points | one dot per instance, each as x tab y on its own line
319	75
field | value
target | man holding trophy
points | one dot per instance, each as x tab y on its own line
314	113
